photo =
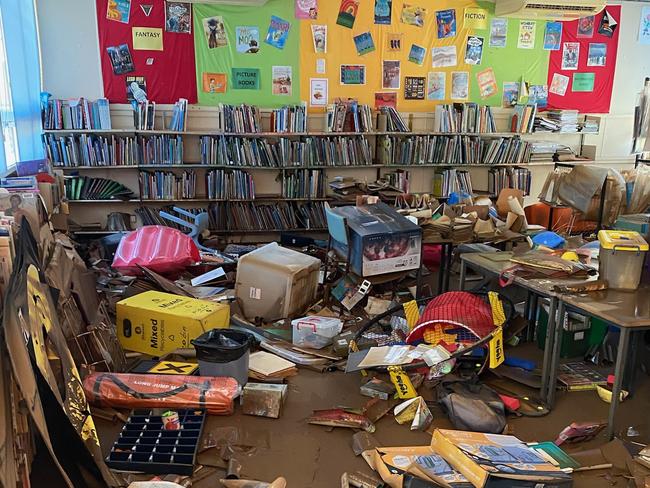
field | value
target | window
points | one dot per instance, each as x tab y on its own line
8	137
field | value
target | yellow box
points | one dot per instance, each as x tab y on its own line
156	323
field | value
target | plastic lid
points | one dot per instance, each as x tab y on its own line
622	240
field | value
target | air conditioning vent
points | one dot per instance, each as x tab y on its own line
541	6
549	9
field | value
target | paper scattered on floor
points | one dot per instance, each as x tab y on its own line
414	411
386	356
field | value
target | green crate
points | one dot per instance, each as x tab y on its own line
574	344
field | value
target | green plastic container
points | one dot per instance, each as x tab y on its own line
574	343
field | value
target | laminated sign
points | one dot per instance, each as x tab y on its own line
147	39
246	78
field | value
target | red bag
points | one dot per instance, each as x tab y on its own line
124	390
159	248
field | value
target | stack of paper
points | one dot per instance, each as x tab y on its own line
264	366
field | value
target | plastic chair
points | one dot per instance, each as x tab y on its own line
198	224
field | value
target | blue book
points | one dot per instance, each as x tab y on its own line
278	32
446	21
553	36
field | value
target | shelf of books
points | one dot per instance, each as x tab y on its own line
213	160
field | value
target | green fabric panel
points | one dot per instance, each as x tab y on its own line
510	63
223	59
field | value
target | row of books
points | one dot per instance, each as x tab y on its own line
257	216
166	185
349	116
179	116
452	150
87	188
390	120
163	149
464	117
399	180
516	178
144	115
523	118
230	185
238	119
316	151
76	114
304	184
289	119
448	181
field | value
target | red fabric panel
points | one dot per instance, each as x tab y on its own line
599	100
172	74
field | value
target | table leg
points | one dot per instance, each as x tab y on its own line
548	346
555	358
418	283
441	268
532	327
621	356
463	273
450	259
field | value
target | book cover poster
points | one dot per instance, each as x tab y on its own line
318	88
444	56
353	74
319	38
413	15
474	50
538	94
306	9
118	10
475	18
320	66
553	36
383	12
121	59
414	87
644	26
487	83
364	43
246	78
459	85
416	54
248	39
446	23
215	32
570	55
278	32
583	82
436	85
136	89
394	42
391	75
559	84
527	30
498	32
178	17
348	13
510	94
282	80
147	38
597	54
608	24
586	26
385	99
215	82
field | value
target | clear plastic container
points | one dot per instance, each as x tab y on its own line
315	332
622	254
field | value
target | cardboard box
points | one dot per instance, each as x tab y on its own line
156	323
382	240
263	400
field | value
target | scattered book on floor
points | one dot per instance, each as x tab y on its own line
580	376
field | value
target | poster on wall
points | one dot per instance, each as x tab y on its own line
510	94
570	55
586	26
414	87
136	89
385	99
353	74
416	54
390	76
246	78
459	85
475	18
474	50
446	23
319	38
597	54
444	57
498	32
559	84
248	39
364	43
487	83
306	9
121	59
527	30
436	85
538	94
413	15
282	80
644	26
178	17
118	10
215	32
394	42
383	12
320	66
278	32
608	24
147	38
553	36
583	82
347	13
215	82
318	88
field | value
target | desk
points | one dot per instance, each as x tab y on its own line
629	311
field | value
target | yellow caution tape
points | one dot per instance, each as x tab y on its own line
402	382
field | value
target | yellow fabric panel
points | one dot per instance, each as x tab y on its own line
341	50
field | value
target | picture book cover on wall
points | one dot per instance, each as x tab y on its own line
644	26
444	56
597	54
527	30
487	83
383	12
215	32
318	92
498	32
348	13
364	43
553	36
118	10
414	87
306	9
413	15
215	82
459	85
136	89
474	50
586	26
436	85
353	74
446	23
390	75
570	55
559	84
510	94
319	38
538	94
248	39
385	99
394	42
475	18
121	59
178	17
278	32
282	80
583	82
608	24
246	78
417	53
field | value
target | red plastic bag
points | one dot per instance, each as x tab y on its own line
159	248
124	390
